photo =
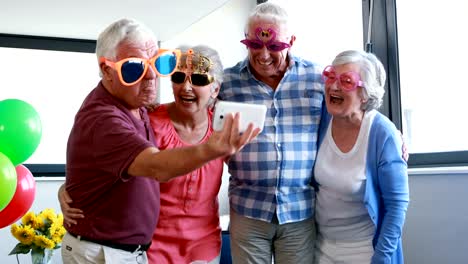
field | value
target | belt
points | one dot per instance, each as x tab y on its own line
127	247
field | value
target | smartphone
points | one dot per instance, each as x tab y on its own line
249	113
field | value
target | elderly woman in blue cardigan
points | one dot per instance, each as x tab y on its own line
360	172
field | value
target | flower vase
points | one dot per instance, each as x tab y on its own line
43	256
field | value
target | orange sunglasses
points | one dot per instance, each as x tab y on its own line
132	70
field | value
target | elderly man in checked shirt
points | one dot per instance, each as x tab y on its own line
271	199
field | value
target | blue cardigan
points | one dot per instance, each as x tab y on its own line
386	195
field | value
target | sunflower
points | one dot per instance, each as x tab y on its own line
24	233
38	232
44	242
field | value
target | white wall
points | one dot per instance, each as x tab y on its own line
436	228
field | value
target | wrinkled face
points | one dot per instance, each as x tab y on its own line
192	84
341	103
266	63
142	93
190	98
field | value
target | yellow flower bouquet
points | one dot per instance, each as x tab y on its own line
39	234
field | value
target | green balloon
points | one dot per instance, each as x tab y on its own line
20	130
8	180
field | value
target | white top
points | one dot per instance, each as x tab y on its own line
340	211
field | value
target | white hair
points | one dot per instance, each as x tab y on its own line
125	29
270	12
372	73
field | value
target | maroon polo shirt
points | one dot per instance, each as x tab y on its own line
104	141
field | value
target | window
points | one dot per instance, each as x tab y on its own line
53	76
432	65
56	93
425	104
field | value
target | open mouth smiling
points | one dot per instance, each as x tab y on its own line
335	99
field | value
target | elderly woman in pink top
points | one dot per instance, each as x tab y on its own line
188	229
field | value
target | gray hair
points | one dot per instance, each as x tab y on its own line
372	75
270	12
125	29
216	69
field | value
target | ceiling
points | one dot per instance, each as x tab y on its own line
85	19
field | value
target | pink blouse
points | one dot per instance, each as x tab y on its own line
188	227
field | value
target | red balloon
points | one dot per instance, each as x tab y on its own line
22	199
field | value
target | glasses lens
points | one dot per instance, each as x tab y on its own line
166	63
277	46
200	79
132	70
329	75
253	44
348	81
178	77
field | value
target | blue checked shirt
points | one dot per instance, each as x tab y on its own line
273	172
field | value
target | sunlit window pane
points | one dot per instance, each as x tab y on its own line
432	52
